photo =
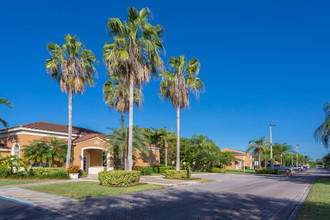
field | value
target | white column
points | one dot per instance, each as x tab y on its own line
108	160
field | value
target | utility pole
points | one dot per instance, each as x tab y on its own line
271	144
297	145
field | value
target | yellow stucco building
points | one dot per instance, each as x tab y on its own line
89	147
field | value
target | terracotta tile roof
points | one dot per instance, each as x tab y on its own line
47	126
4	147
87	137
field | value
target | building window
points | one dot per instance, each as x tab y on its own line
16	150
243	157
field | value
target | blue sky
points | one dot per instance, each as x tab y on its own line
262	62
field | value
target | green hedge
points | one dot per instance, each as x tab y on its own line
119	178
218	170
49	173
222	170
163	169
215	170
175	174
147	170
266	171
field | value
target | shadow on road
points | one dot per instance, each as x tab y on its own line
180	205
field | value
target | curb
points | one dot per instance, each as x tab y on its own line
296	210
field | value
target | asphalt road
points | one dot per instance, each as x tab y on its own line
229	197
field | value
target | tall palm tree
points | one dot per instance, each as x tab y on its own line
119	140
133	55
322	133
72	66
258	145
7	103
163	137
177	85
116	95
281	150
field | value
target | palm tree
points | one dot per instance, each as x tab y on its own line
177	85
58	150
282	149
163	137
116	95
37	151
119	140
72	66
322	133
257	145
133	56
7	103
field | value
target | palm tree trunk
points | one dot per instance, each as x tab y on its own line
281	160
68	154
122	120
130	131
166	146
126	159
259	159
178	138
265	162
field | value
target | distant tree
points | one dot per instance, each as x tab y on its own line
163	138
226	158
202	152
7	103
133	55
119	140
322	133
72	66
326	160
258	145
281	150
177	85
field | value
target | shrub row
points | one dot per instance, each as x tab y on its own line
176	174
35	173
148	170
119	177
266	171
218	170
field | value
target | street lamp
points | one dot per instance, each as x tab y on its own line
297	145
271	144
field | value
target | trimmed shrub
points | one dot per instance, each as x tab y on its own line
247	167
215	170
175	174
46	173
222	170
163	169
82	174
266	171
119	178
146	170
73	169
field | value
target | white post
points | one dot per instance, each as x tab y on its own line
108	161
271	146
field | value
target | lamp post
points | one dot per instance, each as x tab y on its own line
271	144
297	145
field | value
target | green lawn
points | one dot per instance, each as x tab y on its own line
202	180
84	190
247	171
4	182
317	203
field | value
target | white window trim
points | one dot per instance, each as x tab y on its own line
13	149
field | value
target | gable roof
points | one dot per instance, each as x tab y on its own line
88	137
235	152
47	126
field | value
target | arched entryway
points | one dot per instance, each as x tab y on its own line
95	159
